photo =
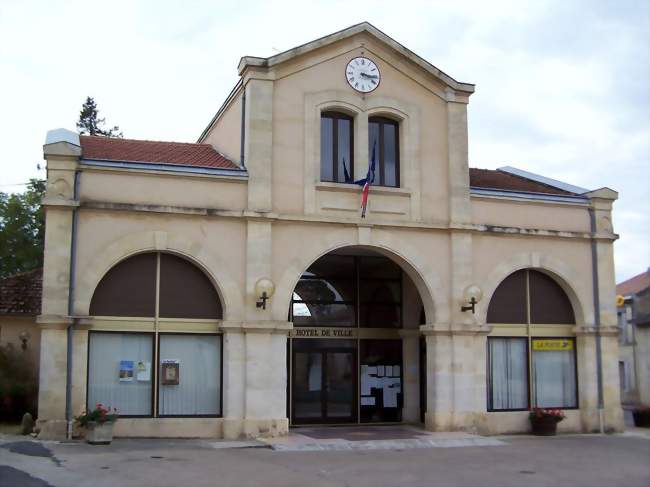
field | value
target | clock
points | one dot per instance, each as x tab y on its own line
362	74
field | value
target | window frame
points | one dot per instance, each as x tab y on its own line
488	375
220	415
575	368
335	116
381	169
155	373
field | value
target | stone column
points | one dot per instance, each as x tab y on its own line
411	375
234	380
440	383
61	151
258	142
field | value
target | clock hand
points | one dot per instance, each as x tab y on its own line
371	76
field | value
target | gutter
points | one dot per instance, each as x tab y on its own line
71	294
596	296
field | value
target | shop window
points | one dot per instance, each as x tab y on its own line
119	372
336	148
186	368
507	374
554	373
194	386
383	143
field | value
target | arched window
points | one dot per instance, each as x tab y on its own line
336	148
530	296
527	369
383	142
157	369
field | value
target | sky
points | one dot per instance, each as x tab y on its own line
562	87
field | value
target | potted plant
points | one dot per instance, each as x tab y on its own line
544	421
641	416
98	424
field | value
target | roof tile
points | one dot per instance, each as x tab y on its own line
494	179
21	293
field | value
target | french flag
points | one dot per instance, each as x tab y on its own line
366	182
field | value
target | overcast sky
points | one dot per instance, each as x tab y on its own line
562	87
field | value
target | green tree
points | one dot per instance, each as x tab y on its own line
22	229
90	123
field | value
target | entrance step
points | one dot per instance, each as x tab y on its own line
374	438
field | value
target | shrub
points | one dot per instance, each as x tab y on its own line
18	385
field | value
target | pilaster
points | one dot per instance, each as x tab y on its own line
457	145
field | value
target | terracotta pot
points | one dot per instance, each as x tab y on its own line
99	433
544	426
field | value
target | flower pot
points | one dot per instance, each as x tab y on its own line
99	433
544	426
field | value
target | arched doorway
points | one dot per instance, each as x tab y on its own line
354	350
152	355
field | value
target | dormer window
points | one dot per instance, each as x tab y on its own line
336	148
383	137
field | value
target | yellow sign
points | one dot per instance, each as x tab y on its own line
553	345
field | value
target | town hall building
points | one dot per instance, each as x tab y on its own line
234	287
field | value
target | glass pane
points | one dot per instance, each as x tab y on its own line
323	314
185	291
548	301
341	266
128	289
307	385
380	315
390	155
119	372
381	380
344	151
190	375
508	379
373	142
326	290
508	303
340	376
380	292
326	148
381	267
554	378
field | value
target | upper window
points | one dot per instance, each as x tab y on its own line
336	148
133	286
383	144
530	296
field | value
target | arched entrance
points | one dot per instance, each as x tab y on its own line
354	354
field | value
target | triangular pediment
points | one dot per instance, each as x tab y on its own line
248	62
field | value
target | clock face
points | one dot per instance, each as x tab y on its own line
362	74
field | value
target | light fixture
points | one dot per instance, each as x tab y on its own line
472	295
24	338
264	288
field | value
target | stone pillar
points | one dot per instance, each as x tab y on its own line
258	142
61	151
234	380
458	187
440	384
411	375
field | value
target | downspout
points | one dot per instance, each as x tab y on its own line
599	358
71	294
243	129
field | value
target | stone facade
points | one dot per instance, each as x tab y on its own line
278	219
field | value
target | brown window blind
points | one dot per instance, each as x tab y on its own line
508	303
548	301
128	289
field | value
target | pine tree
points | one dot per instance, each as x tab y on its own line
90	124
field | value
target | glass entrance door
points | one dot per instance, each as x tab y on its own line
324	386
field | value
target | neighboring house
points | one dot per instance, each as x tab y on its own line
231	287
20	304
634	339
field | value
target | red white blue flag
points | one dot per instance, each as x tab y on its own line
367	181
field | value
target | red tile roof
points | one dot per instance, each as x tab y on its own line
493	179
634	285
21	294
184	154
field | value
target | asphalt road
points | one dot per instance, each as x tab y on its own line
580	460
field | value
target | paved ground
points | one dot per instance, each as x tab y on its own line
571	460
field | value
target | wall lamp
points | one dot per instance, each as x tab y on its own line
24	338
472	295
264	288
